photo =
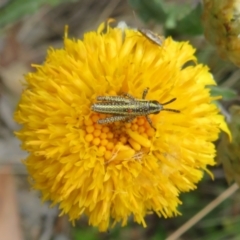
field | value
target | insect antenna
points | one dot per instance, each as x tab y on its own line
166	103
169	109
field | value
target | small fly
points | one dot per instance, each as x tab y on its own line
153	37
126	107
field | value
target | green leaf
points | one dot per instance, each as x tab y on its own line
86	234
16	9
149	10
226	93
173	15
191	23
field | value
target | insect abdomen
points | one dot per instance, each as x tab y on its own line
133	108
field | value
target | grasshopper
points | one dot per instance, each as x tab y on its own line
154	38
126	107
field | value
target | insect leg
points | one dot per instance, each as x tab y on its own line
145	93
129	96
112	99
132	98
130	119
150	122
112	119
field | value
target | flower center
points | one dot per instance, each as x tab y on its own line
118	139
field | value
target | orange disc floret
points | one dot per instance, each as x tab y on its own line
106	138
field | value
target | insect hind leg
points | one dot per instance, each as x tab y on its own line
111	98
130	119
113	119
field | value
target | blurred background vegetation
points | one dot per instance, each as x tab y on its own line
27	29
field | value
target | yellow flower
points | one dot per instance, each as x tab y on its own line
110	172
